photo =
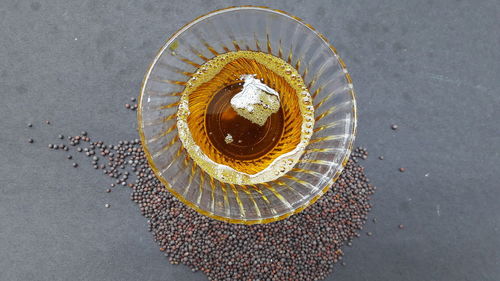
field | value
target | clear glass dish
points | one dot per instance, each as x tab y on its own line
256	29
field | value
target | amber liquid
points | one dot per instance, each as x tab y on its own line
216	136
249	140
212	118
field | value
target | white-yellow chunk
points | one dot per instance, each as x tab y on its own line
256	101
228	138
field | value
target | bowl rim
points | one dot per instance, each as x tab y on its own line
189	203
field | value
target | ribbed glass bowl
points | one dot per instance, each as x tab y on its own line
256	29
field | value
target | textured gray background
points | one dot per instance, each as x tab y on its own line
432	67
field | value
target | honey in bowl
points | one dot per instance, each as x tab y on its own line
245	117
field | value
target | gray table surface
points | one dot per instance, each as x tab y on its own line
432	67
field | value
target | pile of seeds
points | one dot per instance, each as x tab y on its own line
303	247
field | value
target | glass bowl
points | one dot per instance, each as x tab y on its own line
255	29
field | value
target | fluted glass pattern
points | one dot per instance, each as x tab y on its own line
256	29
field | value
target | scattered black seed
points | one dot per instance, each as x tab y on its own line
69	156
30	140
47	122
381	157
83	133
29	125
75	165
51	145
132	99
303	247
61	136
79	149
401	226
374	220
394	126
369	233
402	170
